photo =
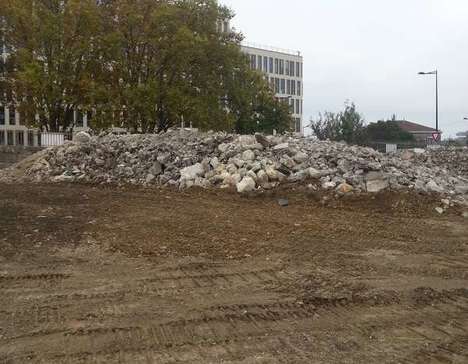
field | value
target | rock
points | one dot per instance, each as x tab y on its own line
82	137
156	169
440	210
150	178
445	202
246	185
262	140
375	186
432	186
283	202
314	173
462	189
192	172
248	155
262	177
272	173
465	214
281	146
214	162
407	155
344	188
300	157
328	185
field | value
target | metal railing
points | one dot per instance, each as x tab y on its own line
270	48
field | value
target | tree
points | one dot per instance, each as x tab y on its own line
347	125
52	45
387	131
145	65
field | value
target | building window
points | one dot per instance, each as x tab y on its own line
12	116
30	138
276	65
291	69
265	64
299	88
253	61
20	137
277	85
291	106
2	115
271	64
298	125
302	102
2	137
288	87
79	119
293	87
283	86
281	66
298	107
298	69
287	68
260	63
10	137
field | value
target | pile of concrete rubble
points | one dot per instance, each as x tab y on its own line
184	159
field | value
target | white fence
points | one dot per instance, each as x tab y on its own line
22	137
51	139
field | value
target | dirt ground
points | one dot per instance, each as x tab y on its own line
121	275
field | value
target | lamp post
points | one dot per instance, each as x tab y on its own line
437	94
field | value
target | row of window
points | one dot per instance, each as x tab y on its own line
276	65
12	116
285	87
79	117
295	105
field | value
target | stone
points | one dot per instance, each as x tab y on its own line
262	140
440	210
82	137
262	177
283	202
376	185
432	186
281	146
465	214
407	155
272	173
462	189
248	155
246	185
150	178
328	185
214	162
445	202
344	188
314	173
301	157
156	169
192	172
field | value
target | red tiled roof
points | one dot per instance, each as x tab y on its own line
414	128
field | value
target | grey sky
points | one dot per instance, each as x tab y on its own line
370	51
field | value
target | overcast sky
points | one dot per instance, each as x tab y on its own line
370	51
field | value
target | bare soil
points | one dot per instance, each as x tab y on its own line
123	275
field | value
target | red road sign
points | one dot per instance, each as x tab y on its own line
436	137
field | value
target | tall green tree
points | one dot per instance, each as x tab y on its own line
145	65
387	131
53	44
347	125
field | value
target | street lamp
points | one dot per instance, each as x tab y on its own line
437	94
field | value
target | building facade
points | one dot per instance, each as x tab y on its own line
284	72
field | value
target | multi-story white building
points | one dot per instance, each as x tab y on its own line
283	70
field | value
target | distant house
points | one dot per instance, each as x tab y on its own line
420	132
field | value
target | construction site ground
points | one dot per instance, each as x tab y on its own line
130	275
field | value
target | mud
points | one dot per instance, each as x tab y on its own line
109	275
